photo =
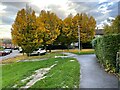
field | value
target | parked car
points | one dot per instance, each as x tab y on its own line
15	48
8	51
20	50
3	53
39	51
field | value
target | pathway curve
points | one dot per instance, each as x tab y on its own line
92	75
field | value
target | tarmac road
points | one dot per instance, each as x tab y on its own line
13	54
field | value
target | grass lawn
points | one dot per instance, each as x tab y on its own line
64	74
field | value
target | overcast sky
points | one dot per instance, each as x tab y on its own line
101	10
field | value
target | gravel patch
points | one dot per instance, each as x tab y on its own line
72	60
61	56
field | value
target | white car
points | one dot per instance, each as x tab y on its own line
8	51
20	49
39	51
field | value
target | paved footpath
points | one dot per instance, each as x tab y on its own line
92	74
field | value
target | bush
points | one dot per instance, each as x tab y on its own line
106	48
1	48
87	45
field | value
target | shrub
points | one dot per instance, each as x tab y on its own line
106	48
1	48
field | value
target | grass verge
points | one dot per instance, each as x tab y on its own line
65	74
82	52
25	57
13	73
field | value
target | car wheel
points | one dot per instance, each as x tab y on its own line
43	53
38	53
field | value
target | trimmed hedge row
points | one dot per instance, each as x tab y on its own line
106	48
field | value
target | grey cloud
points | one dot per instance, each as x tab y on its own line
91	8
10	11
56	8
114	9
83	7
14	6
8	19
119	8
36	8
79	6
84	0
14	1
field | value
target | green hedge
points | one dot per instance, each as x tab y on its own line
106	48
1	48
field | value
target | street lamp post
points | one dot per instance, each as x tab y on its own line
79	37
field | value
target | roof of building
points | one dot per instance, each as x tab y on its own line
99	32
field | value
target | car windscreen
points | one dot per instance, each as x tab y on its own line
7	50
36	49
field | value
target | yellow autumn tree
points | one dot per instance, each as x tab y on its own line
69	32
87	26
25	31
51	27
114	28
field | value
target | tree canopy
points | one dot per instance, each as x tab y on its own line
51	26
25	31
29	31
114	28
69	31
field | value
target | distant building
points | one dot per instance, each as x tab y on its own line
7	43
99	32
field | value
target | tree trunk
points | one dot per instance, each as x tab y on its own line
49	48
68	47
45	47
80	45
28	54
